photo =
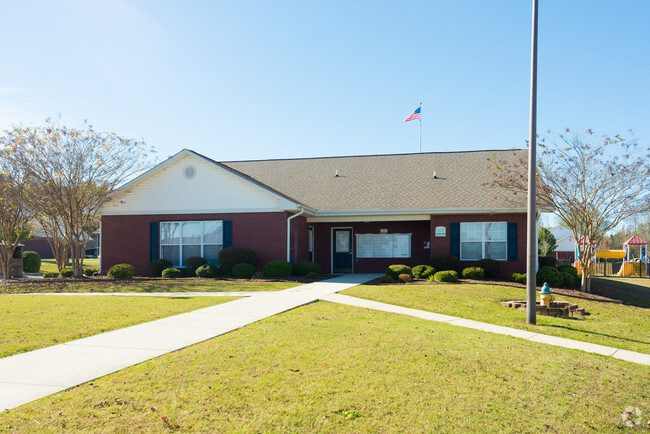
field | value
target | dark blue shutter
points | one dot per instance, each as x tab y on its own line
512	242
154	241
227	233
454	239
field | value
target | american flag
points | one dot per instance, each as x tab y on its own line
414	115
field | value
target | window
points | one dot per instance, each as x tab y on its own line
182	240
485	240
383	245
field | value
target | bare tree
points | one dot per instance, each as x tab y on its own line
594	183
73	172
14	212
546	243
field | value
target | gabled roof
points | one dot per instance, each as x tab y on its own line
388	182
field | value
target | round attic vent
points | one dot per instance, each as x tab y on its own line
189	172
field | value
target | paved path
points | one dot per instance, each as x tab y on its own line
30	376
629	356
33	375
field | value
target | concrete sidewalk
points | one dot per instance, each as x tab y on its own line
30	376
629	356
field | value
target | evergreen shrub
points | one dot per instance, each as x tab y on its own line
476	273
278	268
395	270
232	256
243	271
491	267
304	267
445	262
445	276
171	273
121	271
156	267
31	262
423	271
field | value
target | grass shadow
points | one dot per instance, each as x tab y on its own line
630	293
595	333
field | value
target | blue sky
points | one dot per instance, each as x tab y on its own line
242	79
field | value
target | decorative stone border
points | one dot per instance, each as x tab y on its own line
558	309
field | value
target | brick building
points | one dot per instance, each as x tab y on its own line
349	214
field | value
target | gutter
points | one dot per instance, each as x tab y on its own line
302	210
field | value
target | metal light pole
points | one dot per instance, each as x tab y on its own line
531	252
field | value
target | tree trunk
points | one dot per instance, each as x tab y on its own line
7	261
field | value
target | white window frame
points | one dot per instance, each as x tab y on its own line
180	238
483	241
374	236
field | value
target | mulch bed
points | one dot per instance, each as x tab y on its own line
561	291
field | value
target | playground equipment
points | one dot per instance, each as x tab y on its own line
631	267
636	267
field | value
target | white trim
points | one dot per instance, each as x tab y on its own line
196	211
367	218
332	246
430	211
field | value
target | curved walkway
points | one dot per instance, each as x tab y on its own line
36	374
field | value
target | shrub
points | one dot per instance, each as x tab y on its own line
517	277
395	270
31	262
156	267
171	273
385	279
491	267
191	264
405	278
277	268
207	270
445	276
50	274
121	271
547	261
423	271
232	256
243	271
312	275
90	271
551	276
569	279
473	273
304	267
445	263
67	272
568	269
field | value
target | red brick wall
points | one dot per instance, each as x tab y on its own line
126	238
299	240
40	246
419	255
441	245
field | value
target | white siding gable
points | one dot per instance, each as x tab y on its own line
211	190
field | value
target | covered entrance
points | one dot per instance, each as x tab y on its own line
342	250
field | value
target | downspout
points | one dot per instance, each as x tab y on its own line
289	232
99	251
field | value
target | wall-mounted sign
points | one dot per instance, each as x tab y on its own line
441	231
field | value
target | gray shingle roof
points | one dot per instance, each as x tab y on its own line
386	182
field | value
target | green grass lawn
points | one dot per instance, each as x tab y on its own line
50	264
30	322
609	324
631	290
136	285
333	368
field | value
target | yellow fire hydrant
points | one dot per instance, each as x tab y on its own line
545	296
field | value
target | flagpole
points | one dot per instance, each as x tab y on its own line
420	128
